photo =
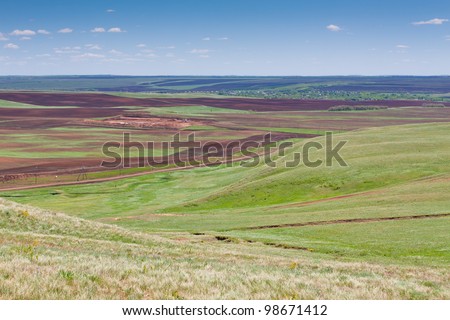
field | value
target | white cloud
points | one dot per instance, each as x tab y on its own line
200	51
206	39
123	60
93	47
110	11
170	55
115	30
65	30
43	31
98	30
111	60
334	28
224	38
169	47
204	56
402	46
132	59
146	53
65	50
25	38
23	33
446	38
435	21
2	37
116	52
88	56
11	46
141	45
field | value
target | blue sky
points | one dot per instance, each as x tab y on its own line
245	37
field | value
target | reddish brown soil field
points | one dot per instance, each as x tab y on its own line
36	118
82	165
92	100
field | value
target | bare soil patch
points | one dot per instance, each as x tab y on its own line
140	121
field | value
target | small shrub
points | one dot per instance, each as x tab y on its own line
24	214
126	274
176	295
28	251
6	213
94	278
292	296
67	275
356	108
433	105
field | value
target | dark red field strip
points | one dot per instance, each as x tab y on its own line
92	100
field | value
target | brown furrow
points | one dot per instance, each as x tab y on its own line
340	221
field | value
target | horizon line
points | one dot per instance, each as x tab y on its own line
227	75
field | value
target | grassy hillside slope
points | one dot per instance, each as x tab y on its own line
44	255
377	157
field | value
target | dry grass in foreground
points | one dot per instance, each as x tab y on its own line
44	255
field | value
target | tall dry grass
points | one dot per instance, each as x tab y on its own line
44	255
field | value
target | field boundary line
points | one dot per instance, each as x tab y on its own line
343	221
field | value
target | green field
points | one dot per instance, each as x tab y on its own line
191	111
17	105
